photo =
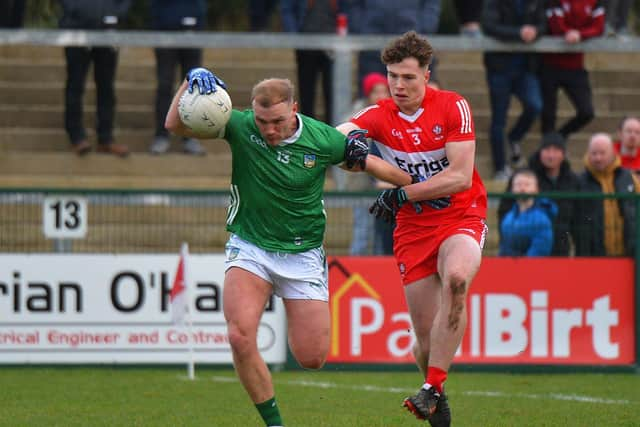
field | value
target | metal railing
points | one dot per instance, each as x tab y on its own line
143	221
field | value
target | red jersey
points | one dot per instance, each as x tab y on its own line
416	144
586	16
628	162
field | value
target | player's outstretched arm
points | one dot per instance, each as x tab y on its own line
454	179
385	171
373	165
172	122
346	127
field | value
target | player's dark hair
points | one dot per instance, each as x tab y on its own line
408	45
273	91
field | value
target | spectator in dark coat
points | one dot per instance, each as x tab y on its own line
12	13
92	15
174	15
509	74
317	16
606	227
469	13
392	17
527	228
554	174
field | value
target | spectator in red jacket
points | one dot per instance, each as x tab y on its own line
628	143
575	21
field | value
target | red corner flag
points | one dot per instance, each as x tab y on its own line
178	295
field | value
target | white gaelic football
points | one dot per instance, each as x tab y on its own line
206	115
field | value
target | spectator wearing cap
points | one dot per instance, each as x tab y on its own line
628	143
554	174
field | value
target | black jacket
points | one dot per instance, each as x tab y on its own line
563	224
178	14
94	14
501	21
590	214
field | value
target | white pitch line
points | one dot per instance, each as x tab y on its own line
500	394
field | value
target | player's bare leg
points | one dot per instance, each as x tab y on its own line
244	298
423	300
458	262
308	322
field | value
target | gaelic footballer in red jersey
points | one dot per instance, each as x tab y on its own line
416	144
440	229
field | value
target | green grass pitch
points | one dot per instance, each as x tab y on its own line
105	396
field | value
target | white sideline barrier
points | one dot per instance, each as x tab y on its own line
115	309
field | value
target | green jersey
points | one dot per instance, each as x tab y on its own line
276	192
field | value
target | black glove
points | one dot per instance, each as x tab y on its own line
388	204
207	81
441	203
357	149
417	178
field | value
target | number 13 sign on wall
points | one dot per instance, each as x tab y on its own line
64	217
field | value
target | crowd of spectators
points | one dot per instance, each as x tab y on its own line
571	226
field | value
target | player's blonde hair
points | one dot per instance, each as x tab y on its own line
272	91
408	45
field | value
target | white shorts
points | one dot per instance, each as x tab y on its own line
293	276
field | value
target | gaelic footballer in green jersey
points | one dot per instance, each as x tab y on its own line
277	222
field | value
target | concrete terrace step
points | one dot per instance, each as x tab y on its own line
143	94
160	182
232	73
29	139
55	140
97	165
127	93
143	117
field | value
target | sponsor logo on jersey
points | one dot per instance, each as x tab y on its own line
416	129
427	167
258	140
309	161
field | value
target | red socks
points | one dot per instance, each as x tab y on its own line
436	378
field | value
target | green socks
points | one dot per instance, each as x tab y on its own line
269	412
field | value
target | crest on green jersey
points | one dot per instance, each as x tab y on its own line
309	160
233	253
